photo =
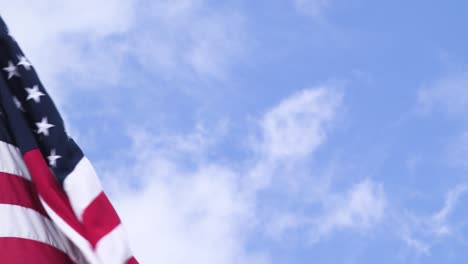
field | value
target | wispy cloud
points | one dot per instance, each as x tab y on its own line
193	204
448	94
297	126
423	232
41	31
180	215
440	220
361	208
177	40
189	39
291	132
313	8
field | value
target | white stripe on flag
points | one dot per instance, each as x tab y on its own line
12	161
112	248
82	186
21	222
74	236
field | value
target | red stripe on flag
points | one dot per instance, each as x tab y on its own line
50	191
24	251
99	218
19	191
132	260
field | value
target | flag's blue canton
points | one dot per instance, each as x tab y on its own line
29	117
3	27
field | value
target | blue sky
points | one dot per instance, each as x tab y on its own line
291	131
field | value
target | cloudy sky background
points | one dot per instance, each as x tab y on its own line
289	131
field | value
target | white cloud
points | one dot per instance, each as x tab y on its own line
422	232
197	214
186	204
421	247
190	38
297	126
90	41
311	7
360	209
439	221
64	30
291	132
448	94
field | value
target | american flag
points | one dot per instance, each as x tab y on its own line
52	207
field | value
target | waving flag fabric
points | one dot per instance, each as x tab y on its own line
52	207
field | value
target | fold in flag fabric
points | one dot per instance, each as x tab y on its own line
52	207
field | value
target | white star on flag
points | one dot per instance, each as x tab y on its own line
43	127
12	70
23	61
34	93
53	157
